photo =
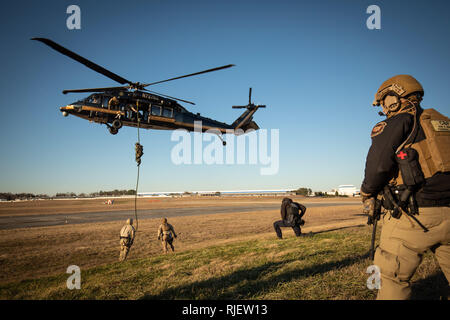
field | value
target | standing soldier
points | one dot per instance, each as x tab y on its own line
290	217
408	171
166	234
126	239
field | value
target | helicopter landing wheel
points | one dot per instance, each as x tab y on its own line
113	130
116	124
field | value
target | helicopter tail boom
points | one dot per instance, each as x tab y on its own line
244	121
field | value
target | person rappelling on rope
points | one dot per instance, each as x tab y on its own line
139	152
128	232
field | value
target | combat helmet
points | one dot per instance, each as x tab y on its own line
401	85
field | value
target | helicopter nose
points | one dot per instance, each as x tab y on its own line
64	110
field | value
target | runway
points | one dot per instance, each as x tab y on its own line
24	221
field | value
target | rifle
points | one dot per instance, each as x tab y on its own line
374	220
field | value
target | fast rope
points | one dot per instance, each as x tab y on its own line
139	151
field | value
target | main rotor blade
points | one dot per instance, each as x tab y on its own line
250	96
95	89
80	59
189	75
166	96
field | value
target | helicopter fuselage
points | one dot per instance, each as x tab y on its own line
123	108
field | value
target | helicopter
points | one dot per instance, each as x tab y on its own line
133	105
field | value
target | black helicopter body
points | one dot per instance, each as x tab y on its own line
129	105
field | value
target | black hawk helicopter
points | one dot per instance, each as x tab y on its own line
128	105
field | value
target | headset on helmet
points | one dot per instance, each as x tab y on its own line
400	86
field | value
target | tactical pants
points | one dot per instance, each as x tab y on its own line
124	249
167	241
402	245
277	225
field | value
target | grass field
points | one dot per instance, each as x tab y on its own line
325	265
218	256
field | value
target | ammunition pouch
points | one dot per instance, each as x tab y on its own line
391	201
402	201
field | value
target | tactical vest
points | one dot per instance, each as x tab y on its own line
166	229
434	150
125	232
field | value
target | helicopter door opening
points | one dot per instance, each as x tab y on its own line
105	102
146	110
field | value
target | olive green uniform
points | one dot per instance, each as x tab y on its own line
166	234
127	234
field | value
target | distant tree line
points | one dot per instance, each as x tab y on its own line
321	194
22	196
303	191
27	196
113	193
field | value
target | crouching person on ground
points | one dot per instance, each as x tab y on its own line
290	217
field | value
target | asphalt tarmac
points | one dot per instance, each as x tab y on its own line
14	222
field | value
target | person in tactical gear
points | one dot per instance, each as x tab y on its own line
127	234
408	172
166	233
113	103
290	217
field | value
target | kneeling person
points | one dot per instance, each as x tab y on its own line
166	234
290	217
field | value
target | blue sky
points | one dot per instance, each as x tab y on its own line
315	65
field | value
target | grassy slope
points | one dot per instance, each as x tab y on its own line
327	265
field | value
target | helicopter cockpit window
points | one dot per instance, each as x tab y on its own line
168	112
156	110
95	99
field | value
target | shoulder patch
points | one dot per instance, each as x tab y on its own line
379	127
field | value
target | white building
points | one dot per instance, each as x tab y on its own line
347	190
277	192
